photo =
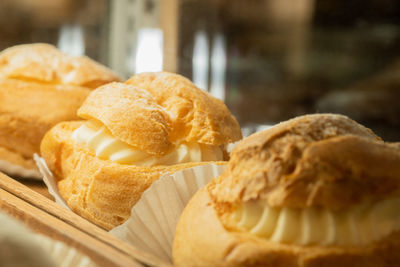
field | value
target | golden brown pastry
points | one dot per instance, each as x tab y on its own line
317	190
129	138
196	116
39	87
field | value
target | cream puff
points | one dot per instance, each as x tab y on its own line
131	134
317	190
39	87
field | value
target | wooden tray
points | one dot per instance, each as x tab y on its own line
46	217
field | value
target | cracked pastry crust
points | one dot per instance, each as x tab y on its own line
131	115
44	63
39	87
321	161
103	190
195	115
302	162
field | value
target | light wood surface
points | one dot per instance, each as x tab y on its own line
44	216
37	186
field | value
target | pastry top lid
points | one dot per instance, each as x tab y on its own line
196	115
45	63
321	160
131	114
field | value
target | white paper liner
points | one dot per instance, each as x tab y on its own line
153	220
49	180
19	171
63	255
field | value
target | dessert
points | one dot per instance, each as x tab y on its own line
39	87
131	135
317	190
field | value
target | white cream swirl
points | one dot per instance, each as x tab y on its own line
99	139
360	225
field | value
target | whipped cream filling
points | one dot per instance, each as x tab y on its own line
100	140
360	225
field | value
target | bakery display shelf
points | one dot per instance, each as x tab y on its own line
46	217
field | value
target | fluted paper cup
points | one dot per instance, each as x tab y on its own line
151	226
63	255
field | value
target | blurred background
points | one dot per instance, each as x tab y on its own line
269	60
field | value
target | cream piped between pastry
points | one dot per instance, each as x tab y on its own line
360	225
99	139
